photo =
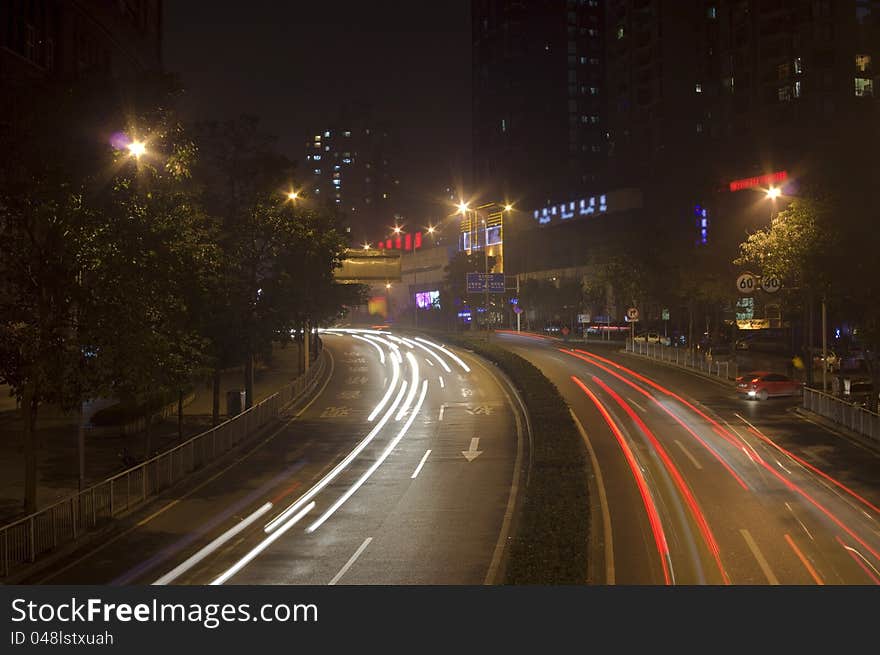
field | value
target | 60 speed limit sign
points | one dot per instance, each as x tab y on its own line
746	283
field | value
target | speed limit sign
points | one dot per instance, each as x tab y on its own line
746	283
770	284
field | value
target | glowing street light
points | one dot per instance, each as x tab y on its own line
431	229
774	192
508	207
293	195
397	229
387	285
366	246
137	148
462	207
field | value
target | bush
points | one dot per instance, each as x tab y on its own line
125	412
551	540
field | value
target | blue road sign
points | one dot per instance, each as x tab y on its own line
476	282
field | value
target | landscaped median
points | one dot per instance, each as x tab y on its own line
551	534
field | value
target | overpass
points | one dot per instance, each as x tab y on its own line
369	267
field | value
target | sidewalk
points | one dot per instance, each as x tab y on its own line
57	457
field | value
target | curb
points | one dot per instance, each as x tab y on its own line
840	430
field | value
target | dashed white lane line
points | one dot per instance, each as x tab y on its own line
762	561
421	464
688	454
351	560
441	382
442	409
643	410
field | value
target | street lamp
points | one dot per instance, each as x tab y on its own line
774	192
293	195
366	246
137	149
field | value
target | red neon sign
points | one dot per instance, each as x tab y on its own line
418	240
408	242
760	180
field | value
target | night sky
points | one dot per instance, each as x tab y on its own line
295	63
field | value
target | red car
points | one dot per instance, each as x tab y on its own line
763	384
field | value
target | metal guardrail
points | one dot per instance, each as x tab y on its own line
25	540
685	358
858	419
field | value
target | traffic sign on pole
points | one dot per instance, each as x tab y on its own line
746	283
770	284
632	314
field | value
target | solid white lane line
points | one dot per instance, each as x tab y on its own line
442	385
388	450
421	464
452	356
762	562
633	402
603	502
689	456
351	560
375	345
263	545
327	479
187	564
413	385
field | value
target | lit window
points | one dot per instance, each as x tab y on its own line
308	157
864	87
698	87
728	84
336	167
317	137
317	157
797	89
711	13
327	134
785	93
620	32
863	63
326	148
798	65
503	125
584	60
346	160
699	128
347	133
317	190
384	195
317	171
337	182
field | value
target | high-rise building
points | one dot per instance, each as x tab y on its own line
538	86
705	92
348	165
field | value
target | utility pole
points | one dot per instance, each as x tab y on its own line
517	304
824	345
485	277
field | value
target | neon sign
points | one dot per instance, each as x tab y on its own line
760	180
568	210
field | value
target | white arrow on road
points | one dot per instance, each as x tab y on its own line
473	453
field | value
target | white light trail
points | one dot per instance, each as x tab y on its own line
327	479
413	386
436	356
456	358
190	562
391	446
375	345
395	375
263	545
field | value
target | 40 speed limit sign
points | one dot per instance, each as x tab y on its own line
770	284
746	283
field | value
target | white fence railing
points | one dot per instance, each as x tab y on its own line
26	539
858	419
684	357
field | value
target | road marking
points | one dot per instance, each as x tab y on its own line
441	382
351	560
791	509
804	560
472	453
263	545
689	456
187	564
421	464
603	502
644	411
762	562
428	359
442	409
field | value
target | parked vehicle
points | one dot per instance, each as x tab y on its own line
764	384
860	392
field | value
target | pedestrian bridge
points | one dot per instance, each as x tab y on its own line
368	267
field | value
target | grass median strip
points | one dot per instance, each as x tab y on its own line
551	536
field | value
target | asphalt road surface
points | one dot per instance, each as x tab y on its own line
702	487
399	472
